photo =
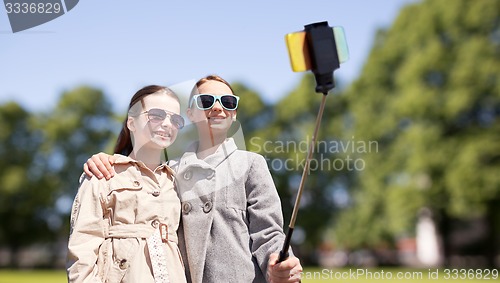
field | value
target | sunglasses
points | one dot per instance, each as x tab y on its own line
157	116
207	101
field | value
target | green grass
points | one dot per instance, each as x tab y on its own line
33	276
310	275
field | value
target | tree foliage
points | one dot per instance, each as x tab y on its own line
80	125
422	119
284	142
41	160
24	189
429	94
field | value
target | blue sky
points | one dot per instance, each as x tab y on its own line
120	46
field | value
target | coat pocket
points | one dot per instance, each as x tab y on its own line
120	182
104	260
122	193
124	251
115	274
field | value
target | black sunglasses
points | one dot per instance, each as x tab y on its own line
157	116
207	101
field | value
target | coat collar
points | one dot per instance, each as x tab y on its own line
122	160
212	161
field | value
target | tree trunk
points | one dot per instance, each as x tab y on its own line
444	227
15	260
493	220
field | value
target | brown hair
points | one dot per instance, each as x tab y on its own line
124	142
206	79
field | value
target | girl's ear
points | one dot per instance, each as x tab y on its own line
131	124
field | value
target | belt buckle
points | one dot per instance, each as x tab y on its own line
163	232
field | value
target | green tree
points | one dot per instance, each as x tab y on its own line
252	113
81	124
429	95
24	189
284	141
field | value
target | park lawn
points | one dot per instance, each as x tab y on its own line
310	275
33	276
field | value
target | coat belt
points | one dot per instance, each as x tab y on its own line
136	231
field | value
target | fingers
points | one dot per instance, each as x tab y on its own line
103	163
92	169
87	170
107	162
288	270
100	165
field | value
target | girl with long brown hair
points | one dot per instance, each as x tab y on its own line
125	229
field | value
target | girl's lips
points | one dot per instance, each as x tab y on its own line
163	134
217	119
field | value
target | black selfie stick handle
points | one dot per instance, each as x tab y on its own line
286	245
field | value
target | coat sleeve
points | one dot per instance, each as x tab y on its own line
264	212
87	232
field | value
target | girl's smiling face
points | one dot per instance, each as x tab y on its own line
148	129
217	118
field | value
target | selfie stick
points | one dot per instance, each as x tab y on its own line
321	49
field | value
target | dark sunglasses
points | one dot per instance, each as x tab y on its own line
207	101
157	116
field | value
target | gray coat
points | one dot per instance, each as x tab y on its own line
231	215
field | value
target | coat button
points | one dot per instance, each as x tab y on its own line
123	264
136	183
155	223
188	175
211	175
156	193
186	207
207	206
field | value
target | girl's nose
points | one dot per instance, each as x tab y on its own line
217	106
167	122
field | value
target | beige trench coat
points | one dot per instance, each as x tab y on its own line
111	220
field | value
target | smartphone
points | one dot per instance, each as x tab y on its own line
299	53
